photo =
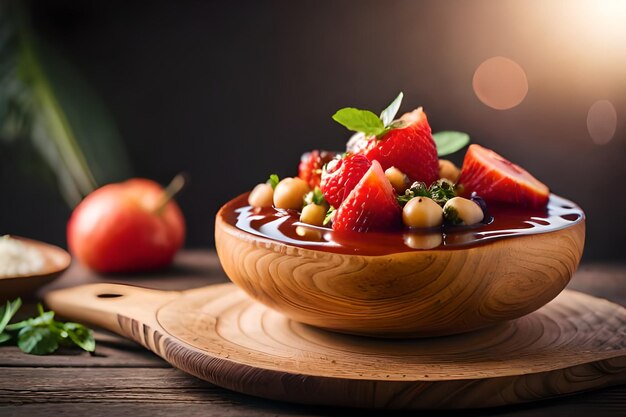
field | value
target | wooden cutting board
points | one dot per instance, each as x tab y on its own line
217	333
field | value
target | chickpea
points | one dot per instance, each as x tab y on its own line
289	193
398	180
459	210
423	240
313	214
448	170
261	196
422	212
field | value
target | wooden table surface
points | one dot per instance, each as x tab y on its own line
124	378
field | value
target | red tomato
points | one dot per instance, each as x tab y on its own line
118	228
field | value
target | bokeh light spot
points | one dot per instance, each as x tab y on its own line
602	121
500	83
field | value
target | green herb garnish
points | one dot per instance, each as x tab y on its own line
367	122
387	115
315	197
330	215
417	189
448	142
273	180
451	216
42	334
440	191
6	314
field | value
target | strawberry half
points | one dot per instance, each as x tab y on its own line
411	149
342	176
496	179
311	164
370	206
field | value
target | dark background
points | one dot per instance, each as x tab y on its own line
232	91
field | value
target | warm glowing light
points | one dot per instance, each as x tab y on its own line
500	83
602	23
602	121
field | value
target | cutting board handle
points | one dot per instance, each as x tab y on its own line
102	304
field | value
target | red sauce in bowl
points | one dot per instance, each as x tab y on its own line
505	222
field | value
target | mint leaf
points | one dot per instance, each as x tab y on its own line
273	181
81	336
42	334
390	112
37	340
397	124
45	319
359	121
450	141
7	312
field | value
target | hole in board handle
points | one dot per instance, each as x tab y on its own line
109	295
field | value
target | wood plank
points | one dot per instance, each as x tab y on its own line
160	392
111	351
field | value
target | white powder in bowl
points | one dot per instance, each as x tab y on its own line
18	258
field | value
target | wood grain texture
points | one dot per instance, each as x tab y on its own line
112	352
169	392
408	294
219	334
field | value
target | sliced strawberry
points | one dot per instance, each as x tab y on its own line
342	176
370	206
311	163
497	180
411	149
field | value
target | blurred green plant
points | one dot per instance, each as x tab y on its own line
43	99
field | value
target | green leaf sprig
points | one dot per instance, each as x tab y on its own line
330	215
315	197
6	314
367	122
440	191
273	180
448	142
42	334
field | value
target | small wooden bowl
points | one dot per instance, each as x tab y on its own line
56	260
419	293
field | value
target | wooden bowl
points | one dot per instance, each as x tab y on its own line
56	260
419	293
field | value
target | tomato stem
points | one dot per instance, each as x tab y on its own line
173	188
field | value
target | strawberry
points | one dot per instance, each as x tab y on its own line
410	148
370	206
311	164
342	176
497	180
